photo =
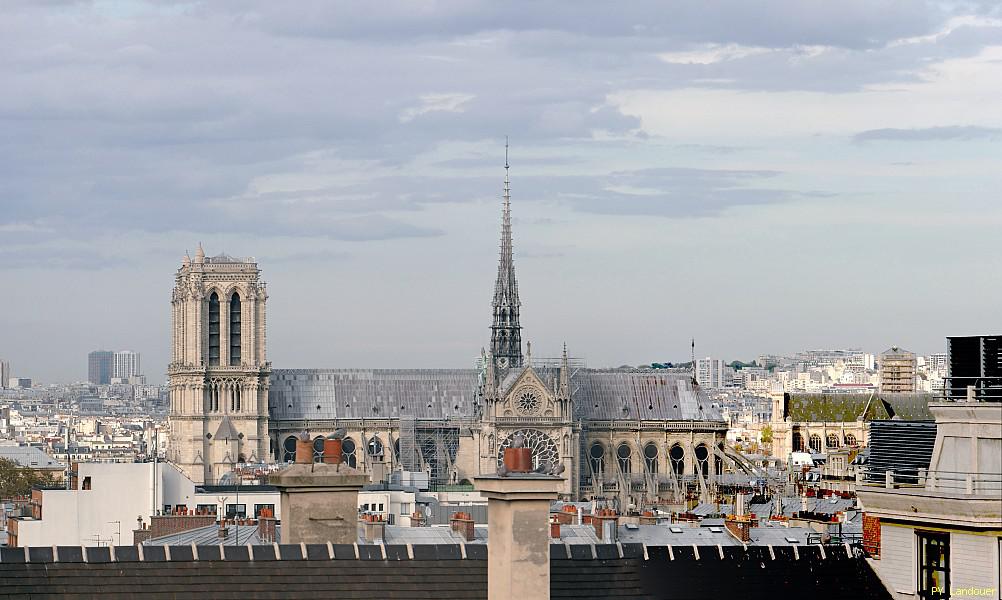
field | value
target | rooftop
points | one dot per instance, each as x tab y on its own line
441	571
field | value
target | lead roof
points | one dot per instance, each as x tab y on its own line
437	394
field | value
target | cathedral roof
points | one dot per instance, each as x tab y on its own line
434	394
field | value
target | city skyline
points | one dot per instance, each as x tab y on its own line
760	189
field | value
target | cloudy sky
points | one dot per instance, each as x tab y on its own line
762	176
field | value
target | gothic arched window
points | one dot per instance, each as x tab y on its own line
289	449
597	456
816	443
703	459
651	457
214	330
623	453
850	440
798	442
375	447
235	330
832	441
318	449
348	452
542	448
677	456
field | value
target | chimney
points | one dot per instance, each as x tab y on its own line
555	529
332	451
418	519
304	449
319	500
373	528
266	526
739	527
606	523
462	523
518	508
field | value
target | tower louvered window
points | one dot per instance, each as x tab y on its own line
214	330
235	330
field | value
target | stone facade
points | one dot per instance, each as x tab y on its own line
218	371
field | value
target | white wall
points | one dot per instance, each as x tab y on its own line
247	497
974	562
119	492
897	562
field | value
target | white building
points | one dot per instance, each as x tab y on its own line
939	535
125	364
712	372
105	508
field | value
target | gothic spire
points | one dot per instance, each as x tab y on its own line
506	338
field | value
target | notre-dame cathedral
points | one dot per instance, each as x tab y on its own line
643	436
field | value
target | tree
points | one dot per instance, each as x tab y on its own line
767	434
16	480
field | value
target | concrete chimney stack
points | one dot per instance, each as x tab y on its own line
319	501
518	511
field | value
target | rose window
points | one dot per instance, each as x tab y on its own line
542	448
527	403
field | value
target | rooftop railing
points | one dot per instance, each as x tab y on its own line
973	389
956	482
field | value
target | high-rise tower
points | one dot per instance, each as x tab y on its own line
218	370
506	333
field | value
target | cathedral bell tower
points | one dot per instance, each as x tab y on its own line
506	333
218	371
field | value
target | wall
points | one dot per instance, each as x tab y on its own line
974	562
897	558
118	492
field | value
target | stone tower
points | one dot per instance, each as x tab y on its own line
506	333
218	371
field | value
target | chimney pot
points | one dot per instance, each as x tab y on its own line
518	460
332	451
304	451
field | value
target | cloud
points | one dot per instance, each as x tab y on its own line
436	103
930	134
711	53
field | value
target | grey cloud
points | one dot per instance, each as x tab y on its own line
852	23
930	134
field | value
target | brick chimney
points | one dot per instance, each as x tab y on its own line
266	523
319	500
606	523
518	509
740	527
462	523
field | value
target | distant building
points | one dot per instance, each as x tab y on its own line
23	383
821	423
711	372
4	373
898	369
100	366
125	365
30	457
936	362
974	369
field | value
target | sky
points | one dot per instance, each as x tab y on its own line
763	177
